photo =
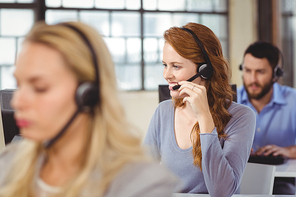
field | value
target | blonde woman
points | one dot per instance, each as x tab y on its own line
76	139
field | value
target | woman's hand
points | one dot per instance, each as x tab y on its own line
196	96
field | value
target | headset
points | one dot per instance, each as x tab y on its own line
87	94
204	70
277	71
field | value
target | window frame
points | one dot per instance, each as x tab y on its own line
40	8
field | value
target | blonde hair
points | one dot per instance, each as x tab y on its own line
112	141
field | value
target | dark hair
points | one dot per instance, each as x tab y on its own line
261	49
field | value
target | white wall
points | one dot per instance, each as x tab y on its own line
139	107
242	32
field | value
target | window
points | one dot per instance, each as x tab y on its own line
133	30
16	19
288	40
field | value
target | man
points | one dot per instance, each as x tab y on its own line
274	105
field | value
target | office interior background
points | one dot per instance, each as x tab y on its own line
133	32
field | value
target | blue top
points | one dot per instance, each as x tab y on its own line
276	123
223	161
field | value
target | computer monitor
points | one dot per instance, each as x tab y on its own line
9	125
164	92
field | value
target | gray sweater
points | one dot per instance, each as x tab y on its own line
223	161
145	179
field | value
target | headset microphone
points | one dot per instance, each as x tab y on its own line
191	79
199	74
49	143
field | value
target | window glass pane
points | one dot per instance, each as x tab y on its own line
16	22
19	44
133	4
134	50
156	23
114	4
57	16
180	19
171	4
153	76
220	5
150	4
288	5
7	50
217	23
160	48
150	50
125	24
97	19
153	71
153	48
78	3
53	3
25	1
199	5
289	23
16	1
117	49
7	1
128	76
7	79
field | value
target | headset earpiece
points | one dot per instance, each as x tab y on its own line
86	96
205	72
240	67
278	72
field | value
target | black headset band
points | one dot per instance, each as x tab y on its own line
87	42
199	43
282	58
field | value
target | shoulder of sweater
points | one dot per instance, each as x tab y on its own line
240	109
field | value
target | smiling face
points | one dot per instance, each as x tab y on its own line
44	100
177	68
257	76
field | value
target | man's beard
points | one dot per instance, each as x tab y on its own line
265	89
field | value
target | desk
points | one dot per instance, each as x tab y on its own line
287	169
235	195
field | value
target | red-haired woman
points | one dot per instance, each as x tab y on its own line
200	135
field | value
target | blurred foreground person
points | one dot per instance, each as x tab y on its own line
77	141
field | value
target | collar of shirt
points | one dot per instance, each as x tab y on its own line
277	96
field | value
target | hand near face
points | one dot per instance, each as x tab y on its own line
196	96
274	150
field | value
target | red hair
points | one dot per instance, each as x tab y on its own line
219	92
